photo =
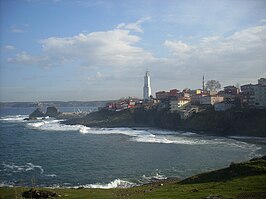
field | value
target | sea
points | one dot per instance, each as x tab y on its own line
46	153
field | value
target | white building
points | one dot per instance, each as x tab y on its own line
147	87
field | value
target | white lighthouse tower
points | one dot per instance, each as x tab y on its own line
147	87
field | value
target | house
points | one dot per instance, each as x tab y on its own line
176	105
259	96
231	90
211	99
262	81
161	95
247	95
223	106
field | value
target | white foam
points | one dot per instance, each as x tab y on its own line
14	118
144	136
22	168
55	125
117	183
51	175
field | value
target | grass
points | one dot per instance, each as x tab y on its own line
245	180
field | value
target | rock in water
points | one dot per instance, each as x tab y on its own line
52	111
37	113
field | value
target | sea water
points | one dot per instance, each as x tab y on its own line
46	153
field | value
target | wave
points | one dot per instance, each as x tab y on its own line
117	183
14	118
136	135
21	168
51	175
55	125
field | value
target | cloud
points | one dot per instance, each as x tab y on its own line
25	58
19	29
263	21
177	47
240	55
9	47
115	58
114	49
136	26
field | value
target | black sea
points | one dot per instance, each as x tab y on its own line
47	153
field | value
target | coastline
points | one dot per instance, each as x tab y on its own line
239	180
251	123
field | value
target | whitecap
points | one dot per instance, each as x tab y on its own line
51	175
22	168
117	183
14	118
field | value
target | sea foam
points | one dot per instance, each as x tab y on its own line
117	183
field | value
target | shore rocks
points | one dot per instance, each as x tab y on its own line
37	113
52	111
33	193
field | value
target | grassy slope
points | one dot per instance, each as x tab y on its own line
245	180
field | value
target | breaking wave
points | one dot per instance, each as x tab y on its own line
14	118
135	135
117	183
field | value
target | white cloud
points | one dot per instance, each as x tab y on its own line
19	28
263	21
25	58
136	26
240	55
115	49
9	47
177	47
113	58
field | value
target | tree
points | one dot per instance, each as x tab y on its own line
213	85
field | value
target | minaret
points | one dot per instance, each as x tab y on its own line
147	87
203	83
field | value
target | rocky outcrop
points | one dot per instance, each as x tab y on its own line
33	193
52	111
37	113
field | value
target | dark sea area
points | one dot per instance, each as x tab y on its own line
46	153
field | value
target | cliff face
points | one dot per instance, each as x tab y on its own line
232	122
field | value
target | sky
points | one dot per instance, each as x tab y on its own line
99	50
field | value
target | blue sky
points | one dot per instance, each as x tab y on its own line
99	50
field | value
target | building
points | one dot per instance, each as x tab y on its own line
247	95
162	95
147	87
231	90
223	106
211	100
259	96
262	81
176	105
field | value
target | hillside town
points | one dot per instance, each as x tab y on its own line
186	102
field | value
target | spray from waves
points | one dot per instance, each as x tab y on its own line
21	168
55	125
117	183
147	136
14	118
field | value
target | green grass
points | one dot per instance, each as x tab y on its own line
244	180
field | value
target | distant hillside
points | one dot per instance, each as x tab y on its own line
53	103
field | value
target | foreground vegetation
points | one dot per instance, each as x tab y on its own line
244	180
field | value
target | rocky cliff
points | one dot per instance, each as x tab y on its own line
250	122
